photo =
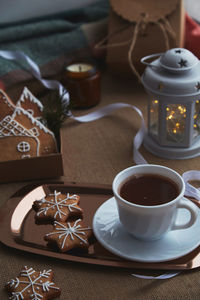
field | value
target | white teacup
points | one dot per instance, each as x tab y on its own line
152	222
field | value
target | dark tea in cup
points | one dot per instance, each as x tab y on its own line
148	198
148	189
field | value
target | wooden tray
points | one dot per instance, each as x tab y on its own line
18	229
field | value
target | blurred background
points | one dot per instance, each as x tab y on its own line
20	10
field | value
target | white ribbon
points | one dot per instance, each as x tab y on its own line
166	275
35	71
190	190
54	84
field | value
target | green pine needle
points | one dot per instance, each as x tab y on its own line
55	112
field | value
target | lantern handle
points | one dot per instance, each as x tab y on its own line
143	60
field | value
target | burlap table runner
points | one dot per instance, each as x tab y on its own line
93	153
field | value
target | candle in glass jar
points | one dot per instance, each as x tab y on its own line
82	80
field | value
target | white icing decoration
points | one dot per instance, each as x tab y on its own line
10	127
25	156
23	146
67	230
47	149
58	204
27	94
34	131
30	111
31	285
20	110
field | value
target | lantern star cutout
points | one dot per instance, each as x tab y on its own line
183	63
33	285
178	51
198	86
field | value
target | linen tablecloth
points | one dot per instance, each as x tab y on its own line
94	153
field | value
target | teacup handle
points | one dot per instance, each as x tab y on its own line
192	208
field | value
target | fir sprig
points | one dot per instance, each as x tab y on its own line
55	112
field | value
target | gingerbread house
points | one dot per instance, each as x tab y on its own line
22	135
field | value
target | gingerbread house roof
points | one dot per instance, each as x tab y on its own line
30	103
6	105
10	127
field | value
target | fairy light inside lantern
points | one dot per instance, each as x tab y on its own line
173	84
154	117
196	117
175	122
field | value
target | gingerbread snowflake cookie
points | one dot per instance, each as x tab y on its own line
57	207
33	285
70	235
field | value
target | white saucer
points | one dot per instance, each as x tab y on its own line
112	235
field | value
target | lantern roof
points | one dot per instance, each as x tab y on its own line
178	60
175	73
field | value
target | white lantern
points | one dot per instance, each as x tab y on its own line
173	84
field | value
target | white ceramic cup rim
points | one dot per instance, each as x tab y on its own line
180	182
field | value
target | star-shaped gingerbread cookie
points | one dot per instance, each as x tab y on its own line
34	285
69	235
57	207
